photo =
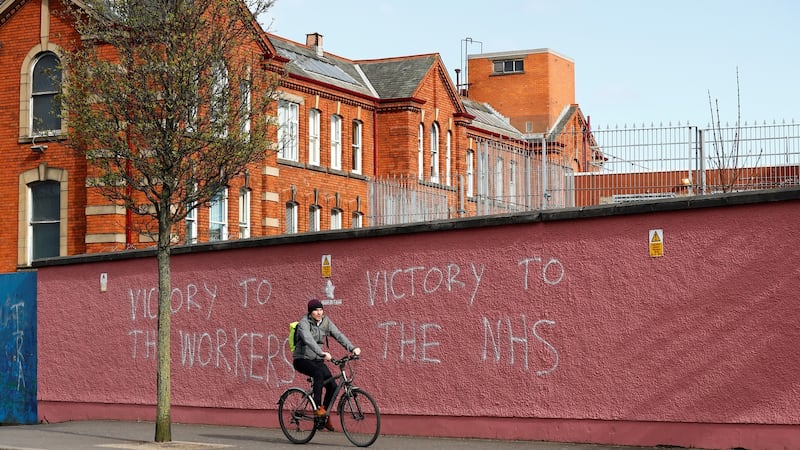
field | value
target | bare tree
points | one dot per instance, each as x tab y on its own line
168	100
727	156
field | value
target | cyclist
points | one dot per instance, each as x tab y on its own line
309	357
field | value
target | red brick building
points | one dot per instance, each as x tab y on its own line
343	124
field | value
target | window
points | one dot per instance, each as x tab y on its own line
358	220
218	217
191	223
509	66
219	100
313	218
447	149
247	109
313	137
512	181
498	179
191	216
291	217
483	173
435	152
45	219
336	219
244	213
356	154
420	135
46	84
336	142
287	130
470	173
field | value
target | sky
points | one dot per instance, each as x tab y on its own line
636	62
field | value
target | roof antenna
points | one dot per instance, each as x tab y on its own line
463	87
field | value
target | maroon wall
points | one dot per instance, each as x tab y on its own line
562	330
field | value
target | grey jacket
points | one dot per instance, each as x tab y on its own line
311	335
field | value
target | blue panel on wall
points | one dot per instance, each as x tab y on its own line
18	348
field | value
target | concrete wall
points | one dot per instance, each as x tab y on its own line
18	348
556	326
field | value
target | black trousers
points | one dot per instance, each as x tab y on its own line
319	372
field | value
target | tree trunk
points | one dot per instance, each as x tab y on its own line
163	376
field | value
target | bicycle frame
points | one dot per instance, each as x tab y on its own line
357	409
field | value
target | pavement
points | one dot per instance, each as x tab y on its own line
100	434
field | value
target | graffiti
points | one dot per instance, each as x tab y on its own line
19	340
418	339
402	284
18	359
499	338
552	271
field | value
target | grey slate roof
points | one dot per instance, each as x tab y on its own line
489	119
327	69
397	78
390	78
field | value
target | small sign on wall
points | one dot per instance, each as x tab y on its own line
656	243
326	266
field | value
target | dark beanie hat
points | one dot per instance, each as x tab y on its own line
314	304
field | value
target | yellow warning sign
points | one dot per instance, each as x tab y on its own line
656	243
326	266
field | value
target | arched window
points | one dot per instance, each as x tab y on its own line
45	86
218	217
44	219
291	217
313	218
336	142
435	152
420	164
313	137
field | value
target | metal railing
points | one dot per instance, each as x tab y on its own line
626	165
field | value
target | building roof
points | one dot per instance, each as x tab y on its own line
398	77
329	69
489	118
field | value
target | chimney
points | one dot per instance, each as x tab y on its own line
314	40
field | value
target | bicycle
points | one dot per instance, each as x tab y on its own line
358	412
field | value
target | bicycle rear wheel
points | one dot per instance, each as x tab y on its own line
296	416
361	420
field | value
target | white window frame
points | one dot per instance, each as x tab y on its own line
220	200
336	219
498	178
219	99
191	219
420	159
288	113
435	153
470	173
356	146
357	220
336	142
447	154
313	217
313	136
245	91
244	213
291	217
512	181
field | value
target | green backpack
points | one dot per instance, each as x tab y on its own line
292	336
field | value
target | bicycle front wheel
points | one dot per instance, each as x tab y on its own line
361	420
296	416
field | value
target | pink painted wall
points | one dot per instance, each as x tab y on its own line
557	330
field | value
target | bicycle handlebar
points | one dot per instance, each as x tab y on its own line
344	359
